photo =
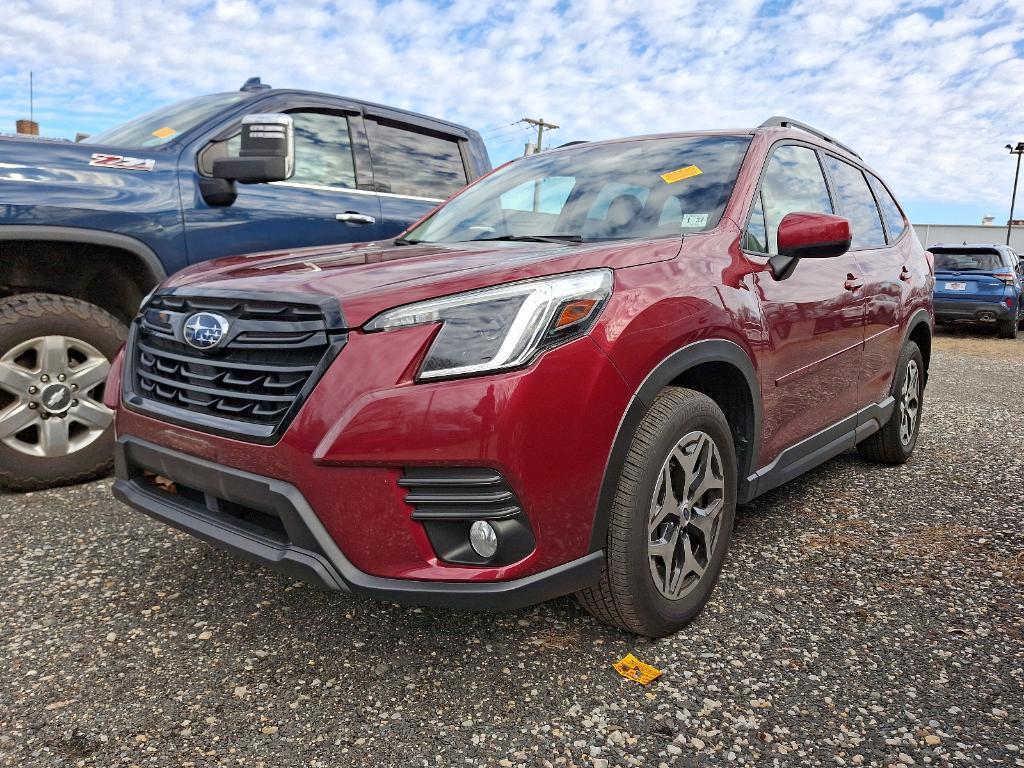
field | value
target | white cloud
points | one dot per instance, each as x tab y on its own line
929	100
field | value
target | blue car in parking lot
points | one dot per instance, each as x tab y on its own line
979	283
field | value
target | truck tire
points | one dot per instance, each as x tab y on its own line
55	354
671	519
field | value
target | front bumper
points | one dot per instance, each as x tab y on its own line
964	309
270	522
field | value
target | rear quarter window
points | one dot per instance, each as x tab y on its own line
891	212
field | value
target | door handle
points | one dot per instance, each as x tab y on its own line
353	217
905	274
852	282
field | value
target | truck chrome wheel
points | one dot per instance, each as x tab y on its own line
910	402
53	386
685	514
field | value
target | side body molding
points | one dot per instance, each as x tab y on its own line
673	366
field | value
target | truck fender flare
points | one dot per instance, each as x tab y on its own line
145	254
676	364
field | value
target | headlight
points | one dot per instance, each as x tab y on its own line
505	326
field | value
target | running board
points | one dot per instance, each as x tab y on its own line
818	448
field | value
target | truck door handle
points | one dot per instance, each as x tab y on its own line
852	282
354	217
905	274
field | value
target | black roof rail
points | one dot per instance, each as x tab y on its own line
572	143
778	121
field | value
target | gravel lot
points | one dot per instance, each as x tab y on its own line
866	616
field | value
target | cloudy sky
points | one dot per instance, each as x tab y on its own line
928	93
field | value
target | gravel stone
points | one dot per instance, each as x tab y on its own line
866	615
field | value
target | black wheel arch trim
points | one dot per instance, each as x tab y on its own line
919	317
55	234
673	366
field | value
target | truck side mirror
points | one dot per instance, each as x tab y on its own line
267	151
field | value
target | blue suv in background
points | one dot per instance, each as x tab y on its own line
87	229
979	283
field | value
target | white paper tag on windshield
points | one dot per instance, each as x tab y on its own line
693	220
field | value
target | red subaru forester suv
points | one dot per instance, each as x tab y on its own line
562	380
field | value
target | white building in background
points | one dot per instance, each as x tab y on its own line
986	232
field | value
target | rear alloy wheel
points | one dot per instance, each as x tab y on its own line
894	442
55	355
671	519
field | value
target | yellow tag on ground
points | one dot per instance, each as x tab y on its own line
630	667
165	132
683	173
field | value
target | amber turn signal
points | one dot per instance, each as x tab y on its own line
574	311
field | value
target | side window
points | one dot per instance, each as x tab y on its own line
792	182
756	237
412	162
323	151
857	204
891	212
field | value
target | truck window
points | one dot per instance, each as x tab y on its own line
410	161
323	151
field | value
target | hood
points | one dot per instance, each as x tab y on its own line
367	278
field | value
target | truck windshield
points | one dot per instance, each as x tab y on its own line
164	124
625	190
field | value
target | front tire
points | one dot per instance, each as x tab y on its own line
671	519
894	442
55	354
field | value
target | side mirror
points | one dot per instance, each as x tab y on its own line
267	151
809	236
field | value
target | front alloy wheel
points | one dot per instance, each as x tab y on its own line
671	517
56	386
686	512
55	354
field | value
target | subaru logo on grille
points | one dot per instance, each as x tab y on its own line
205	330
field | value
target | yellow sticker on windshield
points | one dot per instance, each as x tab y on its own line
164	133
683	173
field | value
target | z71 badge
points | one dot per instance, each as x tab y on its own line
102	160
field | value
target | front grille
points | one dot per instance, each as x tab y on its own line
271	356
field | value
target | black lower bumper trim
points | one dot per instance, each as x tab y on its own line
970	310
207	506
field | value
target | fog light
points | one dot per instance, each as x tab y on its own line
483	539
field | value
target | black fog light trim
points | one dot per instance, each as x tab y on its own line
448	500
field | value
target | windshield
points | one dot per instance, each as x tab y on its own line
164	124
629	190
977	261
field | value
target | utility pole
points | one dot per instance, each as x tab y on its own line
540	125
1018	151
31	97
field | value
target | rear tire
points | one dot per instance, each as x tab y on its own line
55	354
894	442
671	518
1007	328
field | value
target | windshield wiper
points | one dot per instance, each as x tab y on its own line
404	241
532	238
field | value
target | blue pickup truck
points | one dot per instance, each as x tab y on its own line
88	229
